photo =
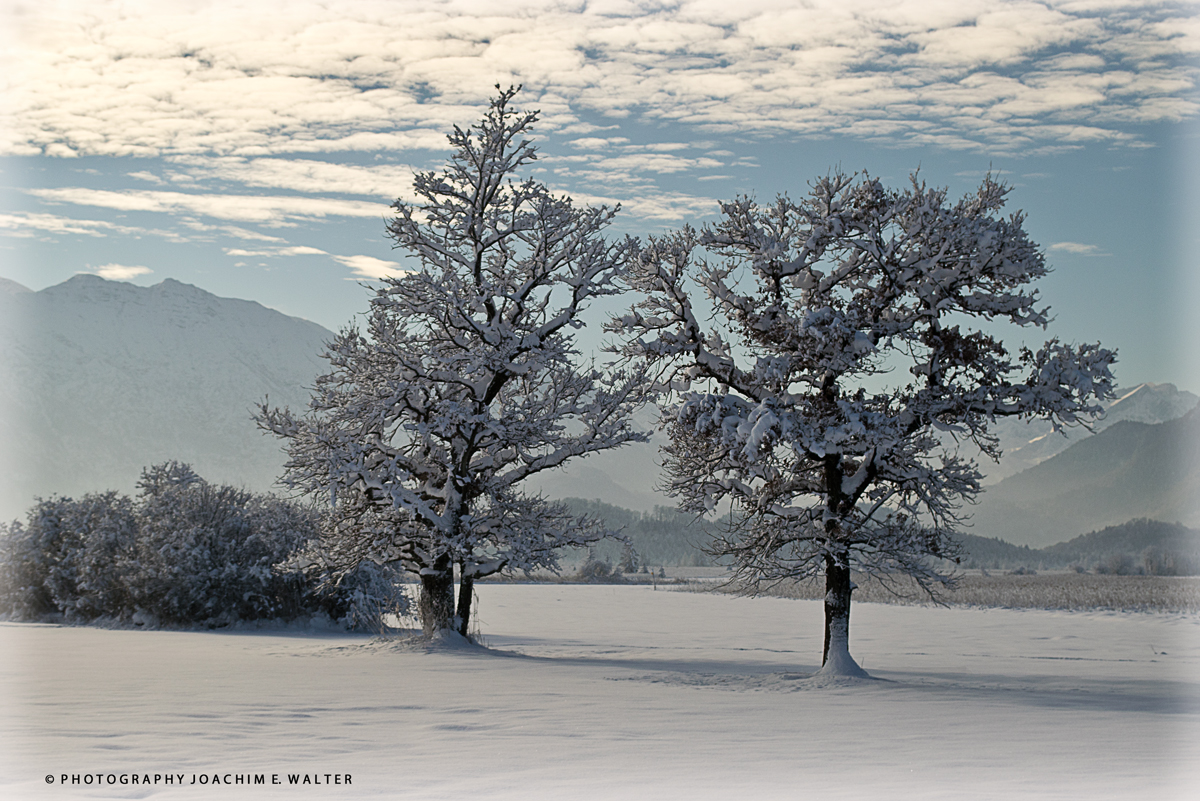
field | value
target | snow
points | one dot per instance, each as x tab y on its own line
619	692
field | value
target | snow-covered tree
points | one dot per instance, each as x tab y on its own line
466	381
840	342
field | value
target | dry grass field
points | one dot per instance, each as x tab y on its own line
1051	590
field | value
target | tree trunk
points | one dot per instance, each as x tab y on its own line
436	605
466	593
836	659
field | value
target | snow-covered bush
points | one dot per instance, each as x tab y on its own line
70	558
596	570
206	554
629	560
365	598
185	552
97	551
1159	561
1118	564
23	593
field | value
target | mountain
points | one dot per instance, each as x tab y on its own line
8	287
1167	549
1027	443
1129	470
627	476
101	378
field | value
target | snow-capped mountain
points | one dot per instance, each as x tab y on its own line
1028	443
8	287
101	378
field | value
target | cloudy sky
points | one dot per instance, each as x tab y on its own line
253	149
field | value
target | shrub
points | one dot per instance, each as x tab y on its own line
1117	564
629	560
23	592
185	552
207	553
595	570
1082	591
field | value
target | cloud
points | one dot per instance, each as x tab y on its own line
597	142
30	225
267	80
659	205
371	267
389	181
631	164
149	177
1077	248
120	272
27	225
267	115
235	231
268	210
292	250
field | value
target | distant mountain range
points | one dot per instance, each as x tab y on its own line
627	477
101	378
1027	443
667	537
1129	470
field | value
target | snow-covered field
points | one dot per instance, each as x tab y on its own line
616	692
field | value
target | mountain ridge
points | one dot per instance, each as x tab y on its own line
101	378
1129	470
10	287
1027	443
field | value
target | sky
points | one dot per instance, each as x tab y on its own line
253	149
